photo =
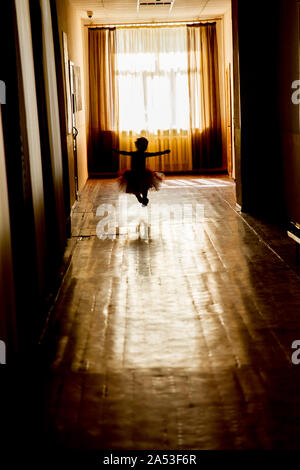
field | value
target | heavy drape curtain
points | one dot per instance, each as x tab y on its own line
104	115
204	94
157	82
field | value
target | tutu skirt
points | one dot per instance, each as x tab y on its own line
135	182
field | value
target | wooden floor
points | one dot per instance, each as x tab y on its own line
173	327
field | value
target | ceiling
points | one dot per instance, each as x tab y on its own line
126	11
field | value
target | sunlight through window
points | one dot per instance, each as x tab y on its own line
153	80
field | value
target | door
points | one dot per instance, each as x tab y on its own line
74	129
229	120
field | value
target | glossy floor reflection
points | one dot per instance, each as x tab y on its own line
173	327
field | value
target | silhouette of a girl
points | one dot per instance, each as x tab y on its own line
140	179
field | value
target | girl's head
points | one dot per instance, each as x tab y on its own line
141	143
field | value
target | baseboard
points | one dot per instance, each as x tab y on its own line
211	171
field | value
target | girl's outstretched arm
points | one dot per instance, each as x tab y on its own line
155	154
121	152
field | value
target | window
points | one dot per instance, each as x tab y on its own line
152	74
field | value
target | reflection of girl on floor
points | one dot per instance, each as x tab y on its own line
140	179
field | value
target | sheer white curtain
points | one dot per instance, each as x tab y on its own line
152	74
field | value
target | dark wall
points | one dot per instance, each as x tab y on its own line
23	241
30	180
267	142
289	112
259	65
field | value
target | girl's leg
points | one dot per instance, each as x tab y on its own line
145	199
139	198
